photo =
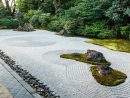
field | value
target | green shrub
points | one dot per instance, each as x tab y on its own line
40	19
73	27
55	25
30	13
99	25
9	23
35	21
89	31
69	27
92	30
105	34
125	31
3	11
44	19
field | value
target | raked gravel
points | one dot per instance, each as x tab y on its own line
39	52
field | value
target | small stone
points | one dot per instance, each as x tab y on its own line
62	32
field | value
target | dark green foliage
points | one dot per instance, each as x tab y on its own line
9	23
125	31
106	34
119	11
91	32
73	27
97	29
30	13
3	11
88	9
37	18
44	19
25	5
47	6
55	25
89	18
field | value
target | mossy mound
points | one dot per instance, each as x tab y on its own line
113	79
113	44
82	58
3	27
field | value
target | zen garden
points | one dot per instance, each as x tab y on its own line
64	48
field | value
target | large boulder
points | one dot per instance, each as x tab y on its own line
27	27
95	56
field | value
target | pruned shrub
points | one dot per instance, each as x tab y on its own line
44	19
105	34
9	23
125	31
73	27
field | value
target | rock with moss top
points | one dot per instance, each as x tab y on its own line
114	78
95	56
104	70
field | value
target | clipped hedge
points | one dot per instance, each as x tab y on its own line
9	23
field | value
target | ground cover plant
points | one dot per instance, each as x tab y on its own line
113	44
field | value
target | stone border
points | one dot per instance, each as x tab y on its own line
20	80
36	88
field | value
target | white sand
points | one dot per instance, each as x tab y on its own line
39	52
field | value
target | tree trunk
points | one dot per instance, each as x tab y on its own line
56	4
10	8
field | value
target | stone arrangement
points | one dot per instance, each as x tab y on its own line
40	87
26	27
96	56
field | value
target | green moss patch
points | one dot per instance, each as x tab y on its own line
81	57
113	79
113	44
3	27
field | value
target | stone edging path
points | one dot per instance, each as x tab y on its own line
26	79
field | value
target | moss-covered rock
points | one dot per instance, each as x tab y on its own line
83	58
27	27
103	73
113	79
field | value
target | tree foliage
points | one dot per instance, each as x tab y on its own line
80	17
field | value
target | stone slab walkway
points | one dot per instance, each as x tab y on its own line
14	87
